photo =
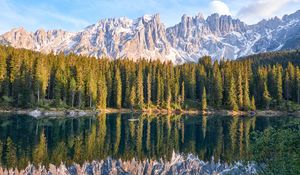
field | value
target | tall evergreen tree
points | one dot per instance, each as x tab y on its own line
117	89
217	92
266	96
140	87
72	90
203	100
279	84
102	92
133	97
240	98
232	102
149	90
246	94
253	106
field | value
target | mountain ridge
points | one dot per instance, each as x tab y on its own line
147	37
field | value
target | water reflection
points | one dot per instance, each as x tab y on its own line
24	139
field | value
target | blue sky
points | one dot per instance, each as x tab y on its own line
74	15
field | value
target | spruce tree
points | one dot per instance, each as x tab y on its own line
132	97
182	94
240	98
140	87
287	85
217	92
253	106
149	90
40	151
203	100
117	89
72	90
11	153
279	84
232	102
246	95
102	92
266	96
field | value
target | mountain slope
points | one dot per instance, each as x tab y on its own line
147	37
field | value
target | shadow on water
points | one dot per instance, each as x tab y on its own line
25	139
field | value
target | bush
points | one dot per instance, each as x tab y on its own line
277	151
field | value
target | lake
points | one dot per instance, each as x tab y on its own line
47	141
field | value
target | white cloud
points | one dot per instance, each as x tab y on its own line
259	9
220	7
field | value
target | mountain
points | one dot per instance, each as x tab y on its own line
147	37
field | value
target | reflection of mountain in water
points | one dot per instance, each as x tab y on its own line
52	141
177	165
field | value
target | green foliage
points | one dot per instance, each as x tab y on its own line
1	152
277	151
266	97
117	89
31	79
253	106
41	152
232	102
203	100
11	153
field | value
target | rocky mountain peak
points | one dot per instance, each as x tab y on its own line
147	37
293	16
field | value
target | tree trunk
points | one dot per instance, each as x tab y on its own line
38	95
90	101
72	101
79	99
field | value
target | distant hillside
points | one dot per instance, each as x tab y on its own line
271	58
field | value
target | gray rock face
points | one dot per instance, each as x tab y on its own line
146	37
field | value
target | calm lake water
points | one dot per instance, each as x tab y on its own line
25	139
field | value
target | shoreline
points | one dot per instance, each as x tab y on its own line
57	112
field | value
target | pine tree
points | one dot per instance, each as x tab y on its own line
133	97
240	90
246	100
253	106
92	89
203	100
232	102
279	84
159	90
72	90
266	96
11	153
41	78
80	84
149	90
287	85
40	152
140	88
182	94
117	89
102	92
217	92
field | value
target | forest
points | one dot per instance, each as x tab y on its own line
31	79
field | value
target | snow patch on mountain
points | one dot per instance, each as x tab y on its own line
147	37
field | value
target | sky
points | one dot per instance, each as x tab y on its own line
75	15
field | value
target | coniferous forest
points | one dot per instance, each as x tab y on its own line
30	79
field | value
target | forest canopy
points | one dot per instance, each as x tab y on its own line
32	79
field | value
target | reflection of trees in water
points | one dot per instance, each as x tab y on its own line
96	138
